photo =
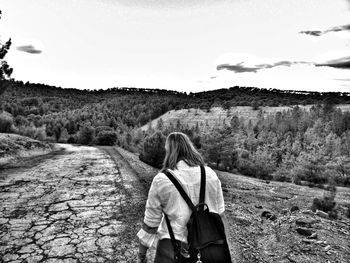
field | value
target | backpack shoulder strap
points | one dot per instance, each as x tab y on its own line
180	189
172	236
202	190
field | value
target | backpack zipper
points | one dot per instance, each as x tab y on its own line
198	257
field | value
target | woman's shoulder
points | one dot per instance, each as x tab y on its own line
210	172
160	177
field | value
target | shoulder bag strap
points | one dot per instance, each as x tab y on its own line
202	189
172	237
180	189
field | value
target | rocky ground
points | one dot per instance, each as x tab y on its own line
272	222
85	204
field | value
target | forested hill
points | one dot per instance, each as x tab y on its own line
25	93
65	110
289	143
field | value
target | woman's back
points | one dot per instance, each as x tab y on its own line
183	161
173	204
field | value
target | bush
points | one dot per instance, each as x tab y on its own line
106	138
86	135
102	129
325	204
333	214
153	150
37	133
348	210
6	122
71	139
282	175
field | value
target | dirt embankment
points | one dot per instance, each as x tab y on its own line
16	149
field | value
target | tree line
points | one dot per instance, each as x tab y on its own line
278	146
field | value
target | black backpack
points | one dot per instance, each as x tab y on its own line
206	233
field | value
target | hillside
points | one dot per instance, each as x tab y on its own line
305	143
14	148
217	116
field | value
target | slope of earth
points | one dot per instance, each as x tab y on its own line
217	115
16	148
266	218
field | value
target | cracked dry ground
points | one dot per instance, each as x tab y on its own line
74	207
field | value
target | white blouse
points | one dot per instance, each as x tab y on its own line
164	197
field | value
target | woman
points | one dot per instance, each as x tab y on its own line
183	161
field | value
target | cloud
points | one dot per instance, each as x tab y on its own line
335	59
343	63
318	33
251	66
241	63
29	49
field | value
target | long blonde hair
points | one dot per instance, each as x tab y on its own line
179	147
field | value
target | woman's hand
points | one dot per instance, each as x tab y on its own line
142	254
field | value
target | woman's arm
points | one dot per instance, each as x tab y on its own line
153	216
225	221
142	254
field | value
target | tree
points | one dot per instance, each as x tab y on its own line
153	149
5	69
160	125
6	122
235	123
86	135
106	138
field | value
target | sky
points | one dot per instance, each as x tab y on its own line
184	45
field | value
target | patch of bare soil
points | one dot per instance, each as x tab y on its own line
272	222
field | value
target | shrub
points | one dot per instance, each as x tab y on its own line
282	175
348	210
333	214
37	133
153	149
106	138
102	129
325	204
6	122
71	139
86	135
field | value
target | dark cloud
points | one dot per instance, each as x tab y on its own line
312	33
343	63
29	49
240	67
318	33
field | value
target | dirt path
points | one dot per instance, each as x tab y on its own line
71	207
